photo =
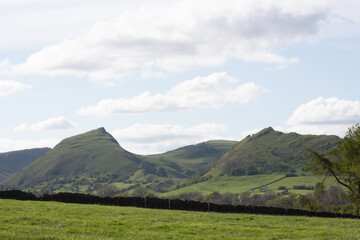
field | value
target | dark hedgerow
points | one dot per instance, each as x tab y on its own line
161	203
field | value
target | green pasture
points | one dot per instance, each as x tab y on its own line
240	184
52	220
222	184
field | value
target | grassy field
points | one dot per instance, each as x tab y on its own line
240	184
51	220
222	184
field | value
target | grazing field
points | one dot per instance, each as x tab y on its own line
234	184
240	184
52	220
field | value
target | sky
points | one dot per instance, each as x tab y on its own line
162	74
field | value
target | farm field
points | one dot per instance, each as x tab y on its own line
52	220
240	184
234	184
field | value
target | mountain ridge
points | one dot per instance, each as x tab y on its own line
89	161
95	158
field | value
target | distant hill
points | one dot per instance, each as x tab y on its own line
88	161
270	151
195	157
95	154
11	162
92	160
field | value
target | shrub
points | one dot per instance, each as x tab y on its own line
303	187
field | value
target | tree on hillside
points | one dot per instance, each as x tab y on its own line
140	192
343	163
108	190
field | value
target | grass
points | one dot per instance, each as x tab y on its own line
234	184
309	180
52	220
240	184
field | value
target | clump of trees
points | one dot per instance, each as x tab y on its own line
140	192
342	163
108	190
304	187
320	200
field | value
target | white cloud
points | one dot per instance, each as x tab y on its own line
7	145
8	87
5	64
325	116
211	91
326	111
43	22
55	123
150	139
154	40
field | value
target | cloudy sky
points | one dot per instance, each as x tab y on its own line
160	74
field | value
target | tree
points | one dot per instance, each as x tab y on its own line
139	192
162	172
343	163
214	197
108	190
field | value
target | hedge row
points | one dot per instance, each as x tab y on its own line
173	204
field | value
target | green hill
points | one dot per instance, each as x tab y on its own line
270	151
95	154
88	161
11	162
194	157
178	165
260	163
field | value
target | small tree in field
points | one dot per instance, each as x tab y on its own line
342	163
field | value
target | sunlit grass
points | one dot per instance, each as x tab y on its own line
240	184
52	220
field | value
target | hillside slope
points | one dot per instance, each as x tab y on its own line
195	157
95	154
11	162
89	161
270	151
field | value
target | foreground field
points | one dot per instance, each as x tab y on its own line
51	220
